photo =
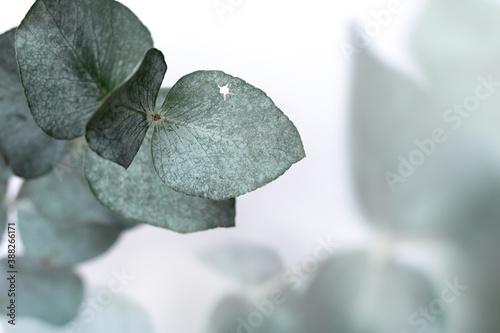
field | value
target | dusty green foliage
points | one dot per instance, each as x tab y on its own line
215	136
61	202
121	316
62	241
354	293
220	137
119	126
72	54
29	151
86	71
138	195
64	195
249	264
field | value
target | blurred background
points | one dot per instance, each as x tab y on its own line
389	225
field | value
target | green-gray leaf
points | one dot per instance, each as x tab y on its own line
138	195
354	294
234	313
455	41
30	152
72	54
63	241
385	112
50	293
218	143
248	263
119	126
66	196
121	316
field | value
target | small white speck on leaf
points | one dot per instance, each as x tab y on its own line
224	90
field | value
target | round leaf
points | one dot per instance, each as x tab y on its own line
457	181
248	263
63	242
50	293
352	294
138	195
221	137
455	41
121	316
118	127
31	153
64	195
237	314
72	54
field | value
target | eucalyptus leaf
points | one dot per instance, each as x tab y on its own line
121	316
50	293
383	125
138	195
453	188
221	137
247	263
119	126
63	242
355	294
456	40
31	153
65	196
237	314
72	54
225	316
215	136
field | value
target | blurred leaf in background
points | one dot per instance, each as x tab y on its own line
138	195
453	192
63	241
247	263
354	293
237	313
64	194
122	315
